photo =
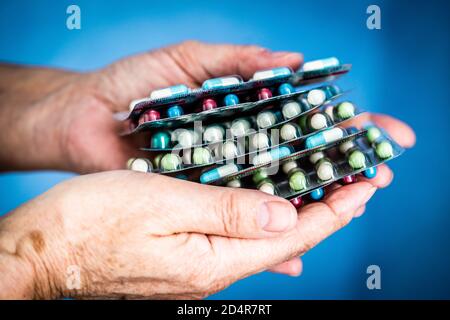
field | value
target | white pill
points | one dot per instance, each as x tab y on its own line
316	97
236	183
288	132
240	127
288	166
187	138
318	121
330	111
344	147
267	187
291	109
316	157
265	119
317	65
213	134
229	150
325	171
259	141
141	165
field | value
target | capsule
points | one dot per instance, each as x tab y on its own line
345	110
157	160
329	110
201	156
320	64
168	92
231	100
373	133
235	183
266	186
289	132
160	140
316	156
349	179
316	97
290	109
324	137
259	175
285	88
140	164
297	202
356	158
264	94
317	194
266	119
370	173
297	180
272	155
209	104
188	138
384	149
272	73
149	115
324	169
219	172
345	146
170	162
318	121
219	83
175	111
287	167
240	127
259	141
214	133
229	150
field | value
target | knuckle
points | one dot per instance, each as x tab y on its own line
228	210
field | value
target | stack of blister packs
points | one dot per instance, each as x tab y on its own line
282	132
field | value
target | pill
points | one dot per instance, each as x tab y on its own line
272	73
209	104
266	119
288	166
129	162
316	97
370	173
231	100
316	156
201	156
347	145
324	137
264	94
272	155
317	194
157	160
160	140
290	109
324	170
329	110
181	176
331	91
297	180
297	202
170	162
141	165
289	131
235	183
267	186
133	103
317	121
345	110
320	64
219	172
259	141
175	111
229	150
356	159
213	133
286	88
240	127
349	179
149	115
223	82
173	91
384	149
259	175
186	156
373	133
188	138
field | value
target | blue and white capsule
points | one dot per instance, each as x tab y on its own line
317	65
272	155
324	137
219	172
221	83
169	92
274	73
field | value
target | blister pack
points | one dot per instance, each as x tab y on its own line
266	133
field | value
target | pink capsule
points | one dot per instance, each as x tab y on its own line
209	104
149	115
264	94
297	202
349	179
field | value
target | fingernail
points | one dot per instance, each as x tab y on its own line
277	216
283	54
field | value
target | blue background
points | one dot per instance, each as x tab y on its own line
402	69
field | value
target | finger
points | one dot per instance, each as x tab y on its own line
293	267
360	212
383	178
192	207
316	221
223	59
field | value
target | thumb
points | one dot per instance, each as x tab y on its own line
192	207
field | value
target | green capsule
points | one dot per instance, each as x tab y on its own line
161	140
297	180
259	175
170	162
201	156
157	160
384	149
356	159
266	186
345	110
373	133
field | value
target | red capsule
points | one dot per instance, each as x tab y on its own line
349	179
149	115
297	202
209	104
264	94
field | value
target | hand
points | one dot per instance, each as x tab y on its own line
138	235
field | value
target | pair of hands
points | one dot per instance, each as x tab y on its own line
143	235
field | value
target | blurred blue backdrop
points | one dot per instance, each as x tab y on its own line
402	69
